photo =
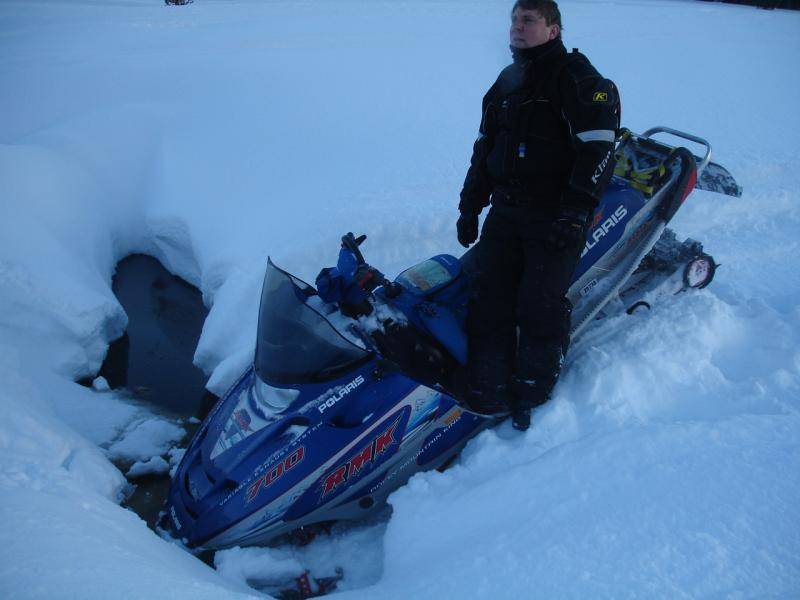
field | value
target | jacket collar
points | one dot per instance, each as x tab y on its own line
539	57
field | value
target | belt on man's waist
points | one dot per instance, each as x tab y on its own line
548	206
511	196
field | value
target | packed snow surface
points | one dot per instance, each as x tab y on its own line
213	135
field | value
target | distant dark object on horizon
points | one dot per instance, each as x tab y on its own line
768	4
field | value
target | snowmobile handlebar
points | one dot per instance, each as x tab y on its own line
352	243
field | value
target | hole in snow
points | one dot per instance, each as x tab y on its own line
152	361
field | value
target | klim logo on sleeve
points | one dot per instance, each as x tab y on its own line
600	97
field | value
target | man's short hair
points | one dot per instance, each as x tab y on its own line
547	8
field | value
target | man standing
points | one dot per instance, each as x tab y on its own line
543	158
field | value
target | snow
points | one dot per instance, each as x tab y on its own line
100	384
344	547
145	439
215	134
154	465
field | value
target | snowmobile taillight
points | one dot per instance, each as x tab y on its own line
690	183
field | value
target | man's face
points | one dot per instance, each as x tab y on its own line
529	29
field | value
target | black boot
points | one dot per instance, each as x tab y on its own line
525	396
492	402
521	419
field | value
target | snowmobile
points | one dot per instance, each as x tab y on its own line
351	390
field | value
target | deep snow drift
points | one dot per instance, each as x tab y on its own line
215	134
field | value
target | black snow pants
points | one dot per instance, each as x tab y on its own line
521	282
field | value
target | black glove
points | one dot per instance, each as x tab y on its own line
568	230
467	227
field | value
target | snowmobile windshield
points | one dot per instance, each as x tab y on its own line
296	344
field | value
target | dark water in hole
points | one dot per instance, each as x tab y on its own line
154	358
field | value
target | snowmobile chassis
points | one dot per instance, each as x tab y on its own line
337	412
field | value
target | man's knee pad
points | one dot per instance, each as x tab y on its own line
489	312
544	317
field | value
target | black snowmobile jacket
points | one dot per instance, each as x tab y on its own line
547	134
